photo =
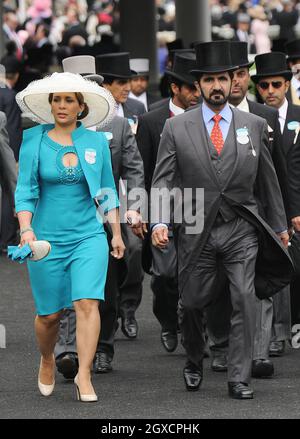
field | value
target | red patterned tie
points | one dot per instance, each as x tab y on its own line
216	134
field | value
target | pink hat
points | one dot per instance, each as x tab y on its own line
40	8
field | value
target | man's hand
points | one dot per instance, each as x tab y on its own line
284	238
134	219
296	223
160	237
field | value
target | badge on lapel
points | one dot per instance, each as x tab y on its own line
108	135
294	126
90	156
133	125
242	135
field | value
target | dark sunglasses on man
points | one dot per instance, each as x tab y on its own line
265	84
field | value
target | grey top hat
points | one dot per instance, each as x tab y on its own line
140	65
85	65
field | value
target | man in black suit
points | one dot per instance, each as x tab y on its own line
8	102
13	115
140	82
272	82
164	261
218	328
8	169
115	69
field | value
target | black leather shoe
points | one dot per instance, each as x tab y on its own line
67	365
262	369
129	326
276	348
239	391
169	340
102	363
219	363
192	377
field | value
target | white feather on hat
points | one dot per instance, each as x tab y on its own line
33	100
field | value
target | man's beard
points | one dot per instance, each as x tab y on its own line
215	102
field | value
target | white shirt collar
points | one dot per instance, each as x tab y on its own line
119	110
295	83
174	109
282	114
243	106
142	98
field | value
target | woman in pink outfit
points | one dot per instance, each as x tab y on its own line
259	29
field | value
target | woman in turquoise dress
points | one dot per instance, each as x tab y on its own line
64	174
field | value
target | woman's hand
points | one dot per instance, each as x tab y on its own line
118	247
27	238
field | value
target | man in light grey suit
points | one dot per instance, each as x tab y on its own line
127	165
8	168
224	151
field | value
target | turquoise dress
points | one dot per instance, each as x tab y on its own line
65	215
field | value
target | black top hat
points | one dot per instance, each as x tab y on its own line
115	65
239	54
293	49
175	45
183	64
271	64
11	64
179	52
213	57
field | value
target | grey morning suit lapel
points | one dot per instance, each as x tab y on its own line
238	121
288	135
196	131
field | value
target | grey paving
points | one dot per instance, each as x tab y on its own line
146	381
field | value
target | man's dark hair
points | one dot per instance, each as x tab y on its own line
110	79
175	81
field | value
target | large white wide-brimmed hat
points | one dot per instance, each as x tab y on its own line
33	100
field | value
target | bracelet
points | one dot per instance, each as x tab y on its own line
27	229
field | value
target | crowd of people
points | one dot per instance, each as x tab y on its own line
231	287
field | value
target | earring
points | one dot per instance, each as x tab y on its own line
79	114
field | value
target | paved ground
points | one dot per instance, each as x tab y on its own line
146	381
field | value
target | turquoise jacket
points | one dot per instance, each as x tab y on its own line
94	155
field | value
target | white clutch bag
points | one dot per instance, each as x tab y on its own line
41	249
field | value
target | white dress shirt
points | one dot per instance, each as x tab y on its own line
295	83
174	109
119	110
282	114
243	106
142	98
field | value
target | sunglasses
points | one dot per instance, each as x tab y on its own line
265	85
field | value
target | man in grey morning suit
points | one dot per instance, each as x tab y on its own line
127	164
115	68
207	148
217	328
8	169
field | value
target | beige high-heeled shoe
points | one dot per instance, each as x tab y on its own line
84	398
45	389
